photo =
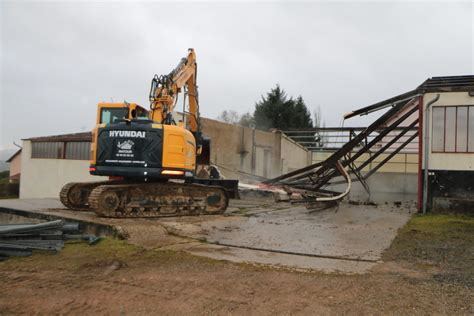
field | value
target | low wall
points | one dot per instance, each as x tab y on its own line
396	180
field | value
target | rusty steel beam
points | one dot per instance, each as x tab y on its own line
343	150
363	150
384	148
391	155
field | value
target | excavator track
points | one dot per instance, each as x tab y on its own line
157	200
75	195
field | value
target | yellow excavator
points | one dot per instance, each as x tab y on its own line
150	159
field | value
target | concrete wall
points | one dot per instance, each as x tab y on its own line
384	187
448	161
239	151
396	180
44	178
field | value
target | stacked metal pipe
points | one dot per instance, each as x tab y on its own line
23	239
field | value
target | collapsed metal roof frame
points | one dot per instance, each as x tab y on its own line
317	177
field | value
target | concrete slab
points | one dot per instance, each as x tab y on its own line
349	239
357	232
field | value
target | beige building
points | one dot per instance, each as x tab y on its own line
15	167
47	163
451	145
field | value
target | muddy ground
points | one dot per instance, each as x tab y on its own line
429	268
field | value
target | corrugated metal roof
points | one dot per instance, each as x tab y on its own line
448	83
76	137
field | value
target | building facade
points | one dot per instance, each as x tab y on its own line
449	152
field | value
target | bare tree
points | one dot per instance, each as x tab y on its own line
229	116
319	122
318	118
247	120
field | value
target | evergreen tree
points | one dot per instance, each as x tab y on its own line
276	110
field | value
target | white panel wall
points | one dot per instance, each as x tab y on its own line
44	178
448	161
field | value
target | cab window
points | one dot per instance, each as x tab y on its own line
112	115
141	113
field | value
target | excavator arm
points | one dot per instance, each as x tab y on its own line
165	89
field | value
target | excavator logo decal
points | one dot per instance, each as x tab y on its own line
126	145
135	134
125	149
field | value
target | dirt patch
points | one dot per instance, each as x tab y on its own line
114	277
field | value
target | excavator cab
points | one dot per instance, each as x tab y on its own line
114	112
126	143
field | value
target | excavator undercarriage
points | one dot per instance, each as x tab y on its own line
147	199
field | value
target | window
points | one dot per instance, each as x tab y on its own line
453	129
112	115
61	150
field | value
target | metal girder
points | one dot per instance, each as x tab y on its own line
317	176
388	145
315	170
391	155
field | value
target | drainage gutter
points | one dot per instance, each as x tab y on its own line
426	154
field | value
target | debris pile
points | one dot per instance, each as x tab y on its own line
22	239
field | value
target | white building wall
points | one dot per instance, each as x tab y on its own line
44	178
447	161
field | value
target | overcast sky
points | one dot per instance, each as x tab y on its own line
59	59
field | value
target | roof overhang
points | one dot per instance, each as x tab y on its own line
434	84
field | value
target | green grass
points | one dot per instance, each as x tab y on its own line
5	186
6	197
4	176
443	241
77	256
